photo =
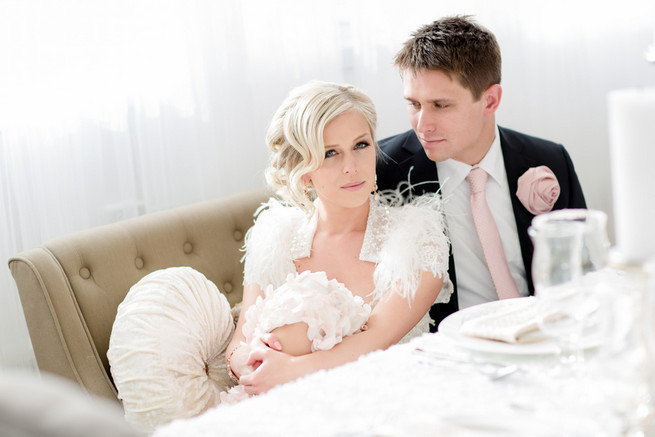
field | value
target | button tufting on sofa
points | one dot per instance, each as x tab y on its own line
138	262
238	235
188	248
85	273
227	287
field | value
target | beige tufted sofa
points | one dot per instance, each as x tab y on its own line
70	287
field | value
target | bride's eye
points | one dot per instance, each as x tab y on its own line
362	145
329	153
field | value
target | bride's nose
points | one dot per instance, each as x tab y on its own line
349	164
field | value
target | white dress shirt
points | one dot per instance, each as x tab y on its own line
474	285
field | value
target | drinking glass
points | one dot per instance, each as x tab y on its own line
595	243
557	273
599	301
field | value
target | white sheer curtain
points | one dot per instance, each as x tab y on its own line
110	109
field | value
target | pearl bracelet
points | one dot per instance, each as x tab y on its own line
233	376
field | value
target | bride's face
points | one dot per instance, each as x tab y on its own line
347	175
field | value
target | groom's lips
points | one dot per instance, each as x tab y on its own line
431	143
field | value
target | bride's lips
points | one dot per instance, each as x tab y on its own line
353	186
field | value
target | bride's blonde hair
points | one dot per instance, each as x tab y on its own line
295	135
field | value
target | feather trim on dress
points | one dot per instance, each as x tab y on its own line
415	242
268	244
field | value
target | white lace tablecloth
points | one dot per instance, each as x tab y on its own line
440	391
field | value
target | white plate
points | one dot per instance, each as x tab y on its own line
451	324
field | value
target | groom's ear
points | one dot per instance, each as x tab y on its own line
491	98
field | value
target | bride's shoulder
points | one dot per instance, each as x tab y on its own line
416	226
276	212
405	212
274	220
413	240
268	243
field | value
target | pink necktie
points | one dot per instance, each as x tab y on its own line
489	236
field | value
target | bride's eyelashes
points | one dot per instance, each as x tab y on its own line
359	146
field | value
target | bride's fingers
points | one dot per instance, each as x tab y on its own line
255	357
249	383
271	340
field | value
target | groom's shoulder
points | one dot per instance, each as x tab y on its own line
516	138
400	143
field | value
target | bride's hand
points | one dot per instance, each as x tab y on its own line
270	340
271	368
238	360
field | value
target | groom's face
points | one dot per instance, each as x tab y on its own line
448	121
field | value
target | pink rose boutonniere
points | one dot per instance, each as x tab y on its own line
538	189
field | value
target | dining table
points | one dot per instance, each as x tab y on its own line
448	384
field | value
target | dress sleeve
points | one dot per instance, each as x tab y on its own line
267	259
416	242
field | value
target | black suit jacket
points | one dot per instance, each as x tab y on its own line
403	159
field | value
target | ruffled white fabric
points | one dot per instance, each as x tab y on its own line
403	240
403	392
329	309
167	347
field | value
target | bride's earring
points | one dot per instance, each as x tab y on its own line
376	196
308	186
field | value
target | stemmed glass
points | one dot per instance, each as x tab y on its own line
571	247
557	273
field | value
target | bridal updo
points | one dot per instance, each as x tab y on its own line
295	135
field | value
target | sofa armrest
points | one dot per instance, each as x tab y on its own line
59	336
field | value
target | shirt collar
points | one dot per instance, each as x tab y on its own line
492	162
452	173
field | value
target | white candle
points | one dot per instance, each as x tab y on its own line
632	153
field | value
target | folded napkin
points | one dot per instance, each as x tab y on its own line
516	324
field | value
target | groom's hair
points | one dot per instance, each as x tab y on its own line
457	46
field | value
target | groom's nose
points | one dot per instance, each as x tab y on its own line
425	121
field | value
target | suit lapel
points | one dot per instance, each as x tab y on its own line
517	163
421	171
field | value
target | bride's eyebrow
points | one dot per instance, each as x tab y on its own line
358	138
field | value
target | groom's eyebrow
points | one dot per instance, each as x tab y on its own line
432	101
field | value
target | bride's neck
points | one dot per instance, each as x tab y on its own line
336	220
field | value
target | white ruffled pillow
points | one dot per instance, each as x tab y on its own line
167	347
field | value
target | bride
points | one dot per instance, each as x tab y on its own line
334	270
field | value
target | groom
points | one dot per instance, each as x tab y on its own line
451	72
